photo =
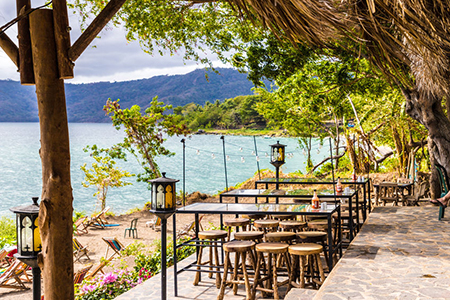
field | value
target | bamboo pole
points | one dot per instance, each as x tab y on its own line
55	216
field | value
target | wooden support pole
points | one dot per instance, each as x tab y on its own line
55	215
94	28
25	57
62	37
10	48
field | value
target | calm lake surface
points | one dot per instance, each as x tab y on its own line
20	164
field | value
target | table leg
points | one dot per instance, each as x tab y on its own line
175	279
364	203
331	247
357	211
350	218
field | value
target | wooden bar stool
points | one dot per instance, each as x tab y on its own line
270	275
318	237
236	222
255	236
210	237
309	256
253	217
294	226
266	225
241	249
281	236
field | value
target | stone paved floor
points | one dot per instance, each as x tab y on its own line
400	253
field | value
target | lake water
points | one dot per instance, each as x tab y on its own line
20	164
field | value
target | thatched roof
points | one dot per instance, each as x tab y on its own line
400	37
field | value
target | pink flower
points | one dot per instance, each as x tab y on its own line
88	288
109	278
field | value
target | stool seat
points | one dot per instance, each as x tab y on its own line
305	249
266	223
275	248
292	225
254	216
282	236
239	246
236	222
311	234
249	235
212	234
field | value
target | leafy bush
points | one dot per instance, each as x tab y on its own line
152	263
109	285
7	232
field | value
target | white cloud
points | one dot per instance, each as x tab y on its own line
109	58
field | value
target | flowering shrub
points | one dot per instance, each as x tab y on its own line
110	285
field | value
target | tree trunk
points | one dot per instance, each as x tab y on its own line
55	216
427	110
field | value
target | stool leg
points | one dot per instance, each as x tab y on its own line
302	271
256	278
225	275
217	263
248	289
275	277
199	262
235	273
210	275
319	263
289	270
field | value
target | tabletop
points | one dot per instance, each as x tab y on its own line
311	180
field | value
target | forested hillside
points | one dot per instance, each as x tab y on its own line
85	101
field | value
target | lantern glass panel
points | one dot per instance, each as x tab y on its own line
37	236
154	198
160	197
27	234
280	154
169	197
19	236
274	154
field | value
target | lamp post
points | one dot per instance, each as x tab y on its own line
277	156
163	204
29	241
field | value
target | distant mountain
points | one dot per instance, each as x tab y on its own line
85	101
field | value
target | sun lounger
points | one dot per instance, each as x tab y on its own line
81	226
11	277
79	276
5	260
98	268
98	219
79	250
189	227
155	224
115	245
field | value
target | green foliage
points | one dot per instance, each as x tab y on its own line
144	133
7	232
103	174
233	113
152	262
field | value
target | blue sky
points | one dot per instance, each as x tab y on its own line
112	58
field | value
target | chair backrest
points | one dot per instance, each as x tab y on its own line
114	243
158	221
76	244
3	254
443	179
388	190
79	276
14	269
134	223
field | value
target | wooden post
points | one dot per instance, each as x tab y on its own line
25	58
10	48
55	216
62	38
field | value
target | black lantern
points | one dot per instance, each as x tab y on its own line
28	238
277	155
29	241
163	205
163	196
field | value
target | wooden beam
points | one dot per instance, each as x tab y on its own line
62	38
94	28
10	48
55	212
25	57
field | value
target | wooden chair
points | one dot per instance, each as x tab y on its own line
115	245
79	250
131	229
81	226
445	186
97	219
389	192
190	227
11	277
420	191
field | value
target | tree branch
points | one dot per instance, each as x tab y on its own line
10	48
